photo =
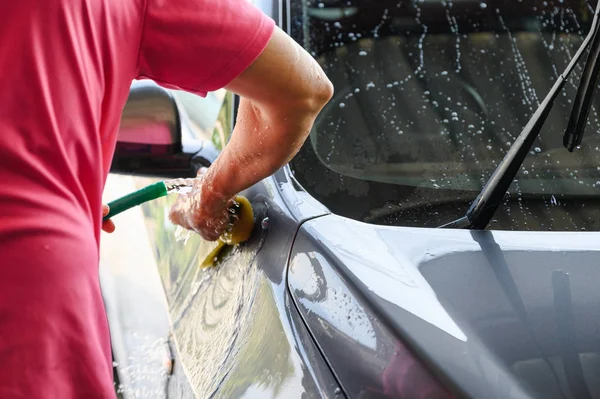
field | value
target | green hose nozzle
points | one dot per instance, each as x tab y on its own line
148	193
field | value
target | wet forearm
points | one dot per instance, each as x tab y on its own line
264	139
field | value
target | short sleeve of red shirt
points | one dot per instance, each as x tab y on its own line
200	45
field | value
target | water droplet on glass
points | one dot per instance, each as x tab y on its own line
444	73
337	391
320	5
537	149
265	223
342	105
337	25
362	53
483	5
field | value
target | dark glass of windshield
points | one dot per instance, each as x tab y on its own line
430	95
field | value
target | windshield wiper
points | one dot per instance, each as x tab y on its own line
489	199
585	93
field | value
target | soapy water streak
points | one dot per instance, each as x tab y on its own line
454	29
529	94
180	186
182	235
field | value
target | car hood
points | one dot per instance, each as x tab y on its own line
514	314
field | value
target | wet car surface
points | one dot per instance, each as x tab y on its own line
347	287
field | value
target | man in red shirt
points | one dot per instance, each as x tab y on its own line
65	71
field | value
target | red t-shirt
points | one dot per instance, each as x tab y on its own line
65	71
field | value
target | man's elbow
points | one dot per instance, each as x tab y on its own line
301	105
317	95
325	89
322	93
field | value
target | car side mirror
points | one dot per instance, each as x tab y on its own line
155	136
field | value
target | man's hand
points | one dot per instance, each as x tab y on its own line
107	225
202	209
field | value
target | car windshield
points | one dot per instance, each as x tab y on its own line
429	95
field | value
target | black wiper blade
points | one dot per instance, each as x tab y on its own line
583	99
489	199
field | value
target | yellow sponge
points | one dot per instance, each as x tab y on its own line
243	223
242	227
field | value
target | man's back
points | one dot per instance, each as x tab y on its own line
64	79
65	71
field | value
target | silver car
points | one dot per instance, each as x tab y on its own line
397	255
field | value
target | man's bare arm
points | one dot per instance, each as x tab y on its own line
282	93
